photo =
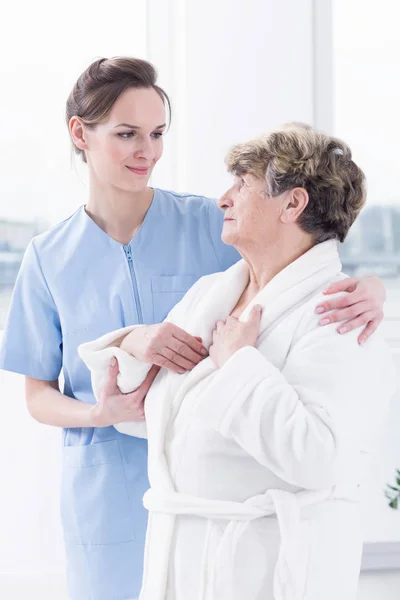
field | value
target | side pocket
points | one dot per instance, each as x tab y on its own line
95	507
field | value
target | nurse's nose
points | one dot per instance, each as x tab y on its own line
145	149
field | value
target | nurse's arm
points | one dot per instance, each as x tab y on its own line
49	406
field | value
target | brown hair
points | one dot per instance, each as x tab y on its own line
102	83
298	156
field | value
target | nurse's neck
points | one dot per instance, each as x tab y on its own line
117	212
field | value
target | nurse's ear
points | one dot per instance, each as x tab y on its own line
78	133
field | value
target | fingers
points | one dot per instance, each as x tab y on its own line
184	351
219	325
147	383
346	285
110	386
368	331
256	314
181	355
136	407
178	359
361	320
189	340
164	362
337	303
136	398
346	313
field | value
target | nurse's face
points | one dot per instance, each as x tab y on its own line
123	149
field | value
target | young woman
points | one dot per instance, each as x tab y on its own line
125	258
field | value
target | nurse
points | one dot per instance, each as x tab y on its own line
125	258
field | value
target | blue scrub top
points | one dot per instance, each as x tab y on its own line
75	284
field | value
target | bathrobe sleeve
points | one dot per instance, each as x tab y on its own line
306	422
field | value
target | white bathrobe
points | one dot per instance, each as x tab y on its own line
255	467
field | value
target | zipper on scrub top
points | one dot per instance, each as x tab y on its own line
128	253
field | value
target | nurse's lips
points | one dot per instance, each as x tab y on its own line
139	170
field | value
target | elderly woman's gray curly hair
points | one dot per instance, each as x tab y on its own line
299	156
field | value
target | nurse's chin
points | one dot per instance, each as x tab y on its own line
134	185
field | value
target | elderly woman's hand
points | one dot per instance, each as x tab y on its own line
363	305
232	335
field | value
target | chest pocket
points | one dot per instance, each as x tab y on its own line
167	291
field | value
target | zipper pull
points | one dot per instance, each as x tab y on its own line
128	252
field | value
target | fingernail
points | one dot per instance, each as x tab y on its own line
362	341
343	329
113	362
325	292
325	321
319	310
204	352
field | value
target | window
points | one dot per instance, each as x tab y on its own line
366	47
45	50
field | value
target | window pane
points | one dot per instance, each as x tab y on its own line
367	99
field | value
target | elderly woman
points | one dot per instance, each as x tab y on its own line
257	454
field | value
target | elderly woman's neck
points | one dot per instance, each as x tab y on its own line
266	263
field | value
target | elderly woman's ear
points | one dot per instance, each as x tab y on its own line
294	202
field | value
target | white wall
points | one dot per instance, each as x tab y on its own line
47	46
234	70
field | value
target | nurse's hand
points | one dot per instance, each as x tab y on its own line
363	305
165	345
231	335
115	407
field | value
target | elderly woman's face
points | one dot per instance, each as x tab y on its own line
251	216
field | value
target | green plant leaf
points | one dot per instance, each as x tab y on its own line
395	489
394	503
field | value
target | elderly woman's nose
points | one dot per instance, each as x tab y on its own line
225	201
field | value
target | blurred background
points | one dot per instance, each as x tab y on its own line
233	69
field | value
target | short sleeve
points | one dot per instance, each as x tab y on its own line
32	341
226	255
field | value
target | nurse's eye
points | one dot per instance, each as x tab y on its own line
126	134
157	134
